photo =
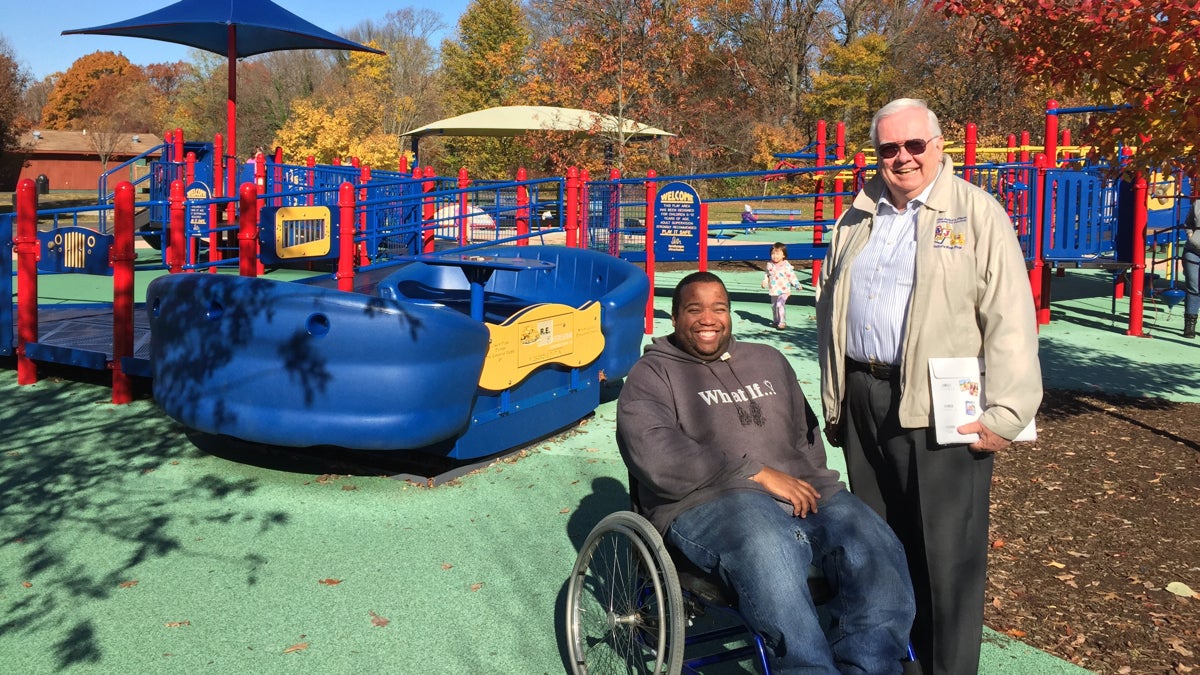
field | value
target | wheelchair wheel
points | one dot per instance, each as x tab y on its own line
624	606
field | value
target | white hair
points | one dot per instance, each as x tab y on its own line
900	105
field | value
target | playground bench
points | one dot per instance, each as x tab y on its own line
779	212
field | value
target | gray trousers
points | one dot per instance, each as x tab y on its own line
936	500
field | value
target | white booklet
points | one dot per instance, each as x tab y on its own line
958	397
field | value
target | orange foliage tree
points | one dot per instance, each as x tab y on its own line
1138	57
642	60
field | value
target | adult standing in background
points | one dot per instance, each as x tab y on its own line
926	265
1191	271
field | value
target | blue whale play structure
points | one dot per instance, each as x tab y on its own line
463	355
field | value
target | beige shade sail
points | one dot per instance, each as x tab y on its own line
514	120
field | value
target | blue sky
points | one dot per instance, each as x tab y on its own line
33	28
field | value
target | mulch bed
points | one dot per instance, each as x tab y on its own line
1093	525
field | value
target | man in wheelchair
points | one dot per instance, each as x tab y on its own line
727	462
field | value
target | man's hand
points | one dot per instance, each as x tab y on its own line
988	441
802	496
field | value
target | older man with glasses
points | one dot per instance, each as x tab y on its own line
926	265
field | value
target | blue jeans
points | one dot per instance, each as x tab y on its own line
764	554
1191	277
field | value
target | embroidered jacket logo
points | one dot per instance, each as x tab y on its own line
944	235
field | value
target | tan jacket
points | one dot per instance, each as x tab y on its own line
971	297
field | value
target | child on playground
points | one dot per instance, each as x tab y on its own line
779	281
749	219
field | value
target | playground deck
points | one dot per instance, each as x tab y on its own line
132	545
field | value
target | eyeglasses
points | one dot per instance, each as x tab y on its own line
914	146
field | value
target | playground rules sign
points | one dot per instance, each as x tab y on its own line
676	223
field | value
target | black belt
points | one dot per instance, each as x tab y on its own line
880	371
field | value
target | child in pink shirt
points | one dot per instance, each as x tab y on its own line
780	279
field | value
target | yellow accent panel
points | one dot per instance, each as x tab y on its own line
538	335
1162	191
302	231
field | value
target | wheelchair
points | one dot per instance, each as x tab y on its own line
629	607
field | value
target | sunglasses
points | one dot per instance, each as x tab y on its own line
914	146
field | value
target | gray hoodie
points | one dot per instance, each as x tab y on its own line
691	430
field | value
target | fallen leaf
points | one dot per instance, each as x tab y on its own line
564	510
1056	564
330	582
298	647
999	543
446	566
177	624
26	584
128	584
377	620
476	586
1182	590
1013	632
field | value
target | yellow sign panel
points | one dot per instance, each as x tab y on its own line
302	232
1162	191
539	335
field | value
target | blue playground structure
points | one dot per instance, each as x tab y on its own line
459	354
457	316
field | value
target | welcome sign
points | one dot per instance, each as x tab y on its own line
676	223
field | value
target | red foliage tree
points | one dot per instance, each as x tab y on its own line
1138	57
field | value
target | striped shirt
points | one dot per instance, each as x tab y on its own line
881	284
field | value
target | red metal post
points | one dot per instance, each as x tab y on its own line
176	237
464	180
819	189
819	176
177	143
651	191
311	180
427	208
363	258
1051	137
402	165
970	148
189	168
585	209
28	250
248	264
1037	272
572	221
1137	280
214	235
522	215
839	184
345	269
614	212
122	263
703	237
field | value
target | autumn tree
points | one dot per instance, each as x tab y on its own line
1137	57
267	85
345	121
406	35
119	105
14	80
852	82
482	68
964	84
65	104
643	60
